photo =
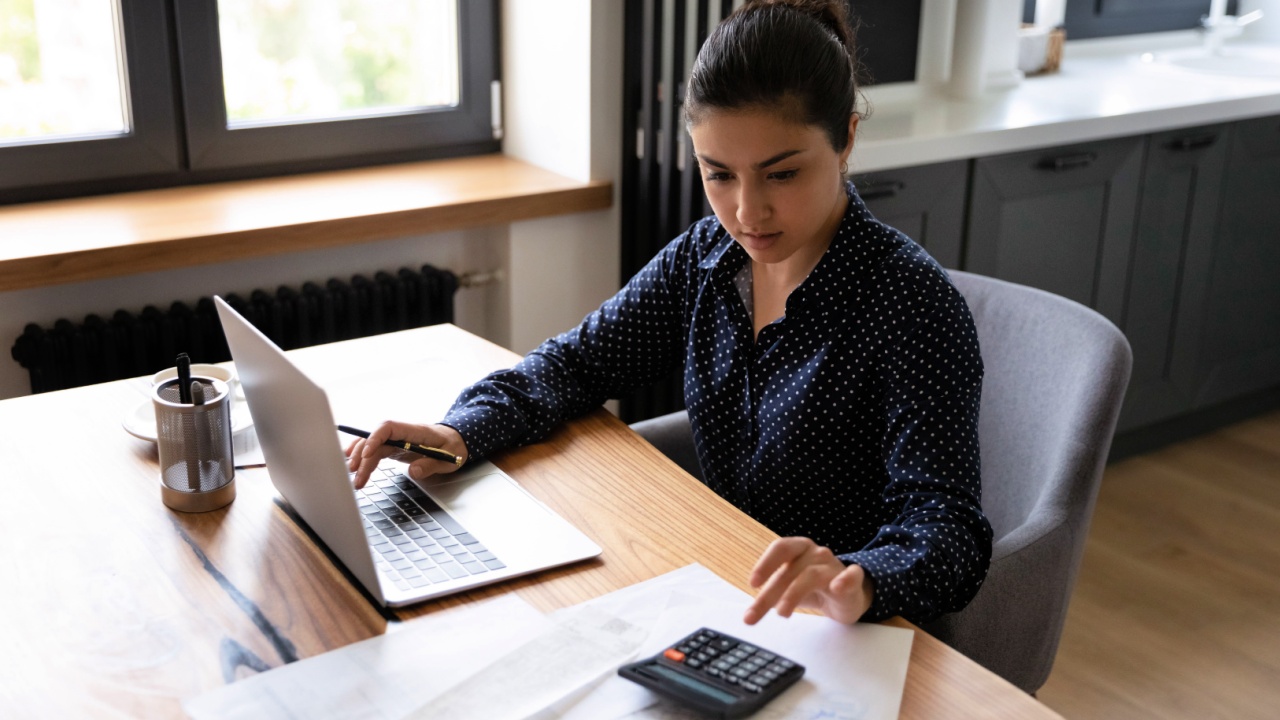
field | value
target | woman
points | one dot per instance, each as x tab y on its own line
831	370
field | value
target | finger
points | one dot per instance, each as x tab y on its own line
370	457
779	552
779	565
793	584
423	468
805	589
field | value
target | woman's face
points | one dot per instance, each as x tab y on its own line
774	184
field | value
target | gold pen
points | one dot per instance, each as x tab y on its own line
431	452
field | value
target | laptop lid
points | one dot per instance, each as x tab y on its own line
297	432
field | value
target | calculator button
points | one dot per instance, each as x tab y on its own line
674	655
769	675
710	651
732	679
750	686
723	644
693	662
740	673
686	648
740	654
767	656
715	672
759	680
721	665
701	657
776	668
748	648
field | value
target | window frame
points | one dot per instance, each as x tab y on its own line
1102	18
178	134
212	145
150	146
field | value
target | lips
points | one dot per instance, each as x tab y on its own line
758	240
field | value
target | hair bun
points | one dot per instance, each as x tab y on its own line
831	14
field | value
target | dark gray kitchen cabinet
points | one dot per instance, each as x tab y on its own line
1060	219
1164	313
925	202
1241	335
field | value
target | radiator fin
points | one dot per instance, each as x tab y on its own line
128	345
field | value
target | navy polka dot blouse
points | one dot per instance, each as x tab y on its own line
852	420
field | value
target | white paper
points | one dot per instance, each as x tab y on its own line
385	677
584	646
853	672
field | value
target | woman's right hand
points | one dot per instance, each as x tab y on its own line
364	454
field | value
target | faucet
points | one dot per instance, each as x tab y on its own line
1218	26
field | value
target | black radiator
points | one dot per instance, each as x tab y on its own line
127	345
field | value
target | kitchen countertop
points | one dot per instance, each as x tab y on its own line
1103	90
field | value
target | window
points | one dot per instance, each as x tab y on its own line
1100	18
100	95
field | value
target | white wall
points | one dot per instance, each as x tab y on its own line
563	70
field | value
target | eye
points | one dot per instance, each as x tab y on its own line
783	175
716	176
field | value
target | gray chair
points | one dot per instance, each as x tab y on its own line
1056	373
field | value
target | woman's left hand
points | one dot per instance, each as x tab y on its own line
797	572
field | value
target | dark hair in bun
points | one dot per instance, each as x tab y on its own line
796	56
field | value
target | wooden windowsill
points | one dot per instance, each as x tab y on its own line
66	241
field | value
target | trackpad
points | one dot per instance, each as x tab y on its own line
502	516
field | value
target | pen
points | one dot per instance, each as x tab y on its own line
433	453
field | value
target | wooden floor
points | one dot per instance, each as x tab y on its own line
1176	612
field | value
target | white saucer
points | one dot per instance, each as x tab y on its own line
141	423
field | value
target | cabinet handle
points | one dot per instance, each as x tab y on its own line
880	190
1063	163
1192	142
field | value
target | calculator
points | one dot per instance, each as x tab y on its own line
718	674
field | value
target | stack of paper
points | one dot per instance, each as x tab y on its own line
503	659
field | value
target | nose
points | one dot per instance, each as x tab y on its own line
753	205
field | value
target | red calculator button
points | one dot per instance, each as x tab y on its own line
674	655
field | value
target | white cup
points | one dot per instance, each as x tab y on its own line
216	372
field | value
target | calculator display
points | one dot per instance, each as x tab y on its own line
695	685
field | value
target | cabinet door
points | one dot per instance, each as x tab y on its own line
1164	311
1241	341
1061	220
926	203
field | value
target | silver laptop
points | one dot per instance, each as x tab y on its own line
404	541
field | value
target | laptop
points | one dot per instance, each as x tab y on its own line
404	541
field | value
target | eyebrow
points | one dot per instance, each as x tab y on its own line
759	166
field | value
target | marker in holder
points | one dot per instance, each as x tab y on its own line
197	469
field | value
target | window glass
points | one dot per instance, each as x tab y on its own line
290	61
60	70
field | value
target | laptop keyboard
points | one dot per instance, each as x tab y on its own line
417	543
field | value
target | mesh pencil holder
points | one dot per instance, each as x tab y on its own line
197	469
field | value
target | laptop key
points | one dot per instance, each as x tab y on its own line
474	568
423	562
494	564
438	533
420	581
436	574
457	550
402	584
447	522
425	542
455	570
416	533
481	554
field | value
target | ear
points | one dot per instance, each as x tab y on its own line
853	132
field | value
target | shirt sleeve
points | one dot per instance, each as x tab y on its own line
932	558
633	339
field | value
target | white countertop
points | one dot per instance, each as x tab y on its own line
1103	90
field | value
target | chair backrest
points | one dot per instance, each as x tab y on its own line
1055	376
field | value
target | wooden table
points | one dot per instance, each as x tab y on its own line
115	606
